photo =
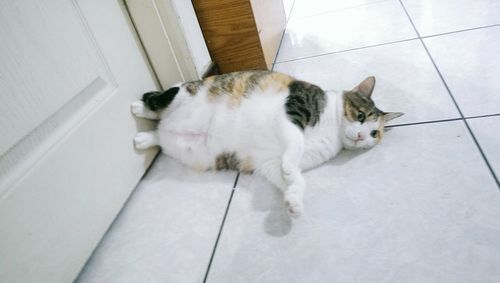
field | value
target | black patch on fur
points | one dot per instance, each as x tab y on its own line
305	103
156	100
227	161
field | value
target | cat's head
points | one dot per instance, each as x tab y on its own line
363	123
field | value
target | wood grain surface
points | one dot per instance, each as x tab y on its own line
231	34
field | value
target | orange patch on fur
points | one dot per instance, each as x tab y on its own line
237	85
275	80
380	129
246	166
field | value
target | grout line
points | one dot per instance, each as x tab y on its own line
441	121
409	18
423	122
283	35
381	44
345	50
462	30
482	153
452	97
221	227
238	178
290	14
482	116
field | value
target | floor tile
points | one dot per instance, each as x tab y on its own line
469	64
364	25
287	5
420	207
167	230
308	8
406	79
486	131
435	17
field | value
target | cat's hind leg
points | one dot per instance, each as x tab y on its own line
291	184
145	140
139	109
292	173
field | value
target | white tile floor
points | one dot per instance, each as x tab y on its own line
424	206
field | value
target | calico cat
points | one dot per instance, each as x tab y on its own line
263	122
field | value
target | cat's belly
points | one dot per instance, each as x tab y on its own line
202	151
199	134
189	147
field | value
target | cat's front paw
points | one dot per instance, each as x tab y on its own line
294	205
144	140
138	108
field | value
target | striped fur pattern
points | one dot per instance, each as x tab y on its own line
305	103
263	122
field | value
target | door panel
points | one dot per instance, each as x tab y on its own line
69	71
48	55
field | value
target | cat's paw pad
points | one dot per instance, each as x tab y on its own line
137	107
143	140
294	206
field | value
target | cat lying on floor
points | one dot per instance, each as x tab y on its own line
263	122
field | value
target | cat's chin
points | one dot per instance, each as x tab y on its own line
348	143
353	145
350	147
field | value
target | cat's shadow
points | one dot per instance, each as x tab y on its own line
266	199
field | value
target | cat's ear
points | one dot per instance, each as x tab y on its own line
366	86
391	115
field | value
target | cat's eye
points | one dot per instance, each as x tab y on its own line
361	116
374	134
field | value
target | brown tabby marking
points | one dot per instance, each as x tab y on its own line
380	134
355	102
305	103
229	161
246	166
278	80
238	84
193	87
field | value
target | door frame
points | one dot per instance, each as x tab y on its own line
171	26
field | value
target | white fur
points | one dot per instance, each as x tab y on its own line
140	110
145	140
351	131
195	131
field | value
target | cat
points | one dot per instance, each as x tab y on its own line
264	122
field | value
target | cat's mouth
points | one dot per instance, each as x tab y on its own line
354	140
351	143
356	143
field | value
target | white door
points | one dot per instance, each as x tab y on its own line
68	71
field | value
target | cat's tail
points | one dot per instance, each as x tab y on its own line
157	100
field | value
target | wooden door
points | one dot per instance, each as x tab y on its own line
242	34
69	70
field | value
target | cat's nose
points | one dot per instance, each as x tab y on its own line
360	137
